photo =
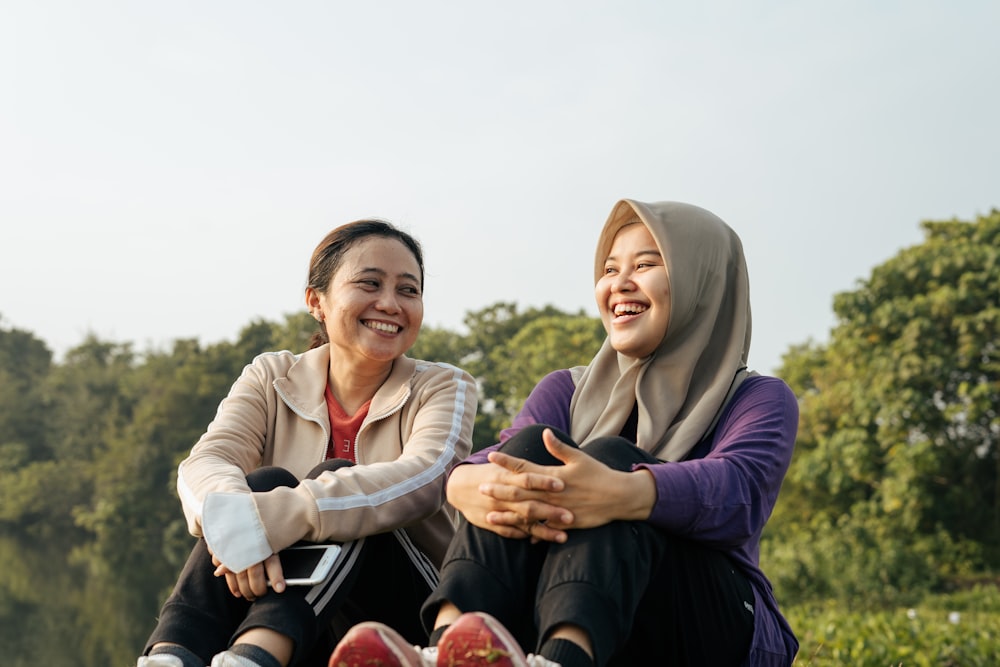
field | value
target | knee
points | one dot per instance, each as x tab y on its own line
270	477
327	466
527	444
617	452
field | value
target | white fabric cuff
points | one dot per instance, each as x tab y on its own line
233	530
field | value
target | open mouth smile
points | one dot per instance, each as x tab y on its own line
623	310
384	327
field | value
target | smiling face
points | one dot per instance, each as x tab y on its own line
373	306
633	293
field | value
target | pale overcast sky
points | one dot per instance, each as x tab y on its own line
166	168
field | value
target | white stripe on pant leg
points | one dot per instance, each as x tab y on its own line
423	564
319	596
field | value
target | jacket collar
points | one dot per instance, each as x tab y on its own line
304	384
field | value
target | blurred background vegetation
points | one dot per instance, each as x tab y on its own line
884	548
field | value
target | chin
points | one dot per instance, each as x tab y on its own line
630	351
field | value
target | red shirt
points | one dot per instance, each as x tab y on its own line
343	428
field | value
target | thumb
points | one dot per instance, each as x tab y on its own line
275	574
557	448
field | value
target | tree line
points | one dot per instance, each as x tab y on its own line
893	489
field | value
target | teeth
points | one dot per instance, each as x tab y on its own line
629	308
382	326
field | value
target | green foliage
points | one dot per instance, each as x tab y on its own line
895	477
953	630
508	351
544	344
37	603
24	362
435	344
861	559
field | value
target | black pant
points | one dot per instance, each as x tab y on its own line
644	597
374	579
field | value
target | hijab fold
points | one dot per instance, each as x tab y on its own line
682	387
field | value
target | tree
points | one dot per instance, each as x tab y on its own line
436	344
898	453
543	345
499	343
294	333
25	361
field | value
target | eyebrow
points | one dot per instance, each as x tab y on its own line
641	253
383	273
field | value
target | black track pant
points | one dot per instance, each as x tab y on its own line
644	597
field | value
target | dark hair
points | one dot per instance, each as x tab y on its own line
329	254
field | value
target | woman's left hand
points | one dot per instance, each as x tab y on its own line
593	493
251	583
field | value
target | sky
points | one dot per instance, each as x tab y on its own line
166	168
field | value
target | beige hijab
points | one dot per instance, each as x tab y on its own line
682	387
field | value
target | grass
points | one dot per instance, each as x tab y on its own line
960	629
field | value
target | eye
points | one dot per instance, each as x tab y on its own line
369	284
410	290
608	270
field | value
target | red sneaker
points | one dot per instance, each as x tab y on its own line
476	638
372	644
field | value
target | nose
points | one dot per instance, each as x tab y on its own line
623	281
388	302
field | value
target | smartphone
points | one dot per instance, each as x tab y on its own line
308	564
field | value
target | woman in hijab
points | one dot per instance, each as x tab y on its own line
618	520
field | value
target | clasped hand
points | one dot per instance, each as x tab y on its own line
516	498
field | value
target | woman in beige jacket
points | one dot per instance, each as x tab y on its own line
349	442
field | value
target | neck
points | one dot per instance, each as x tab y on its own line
354	386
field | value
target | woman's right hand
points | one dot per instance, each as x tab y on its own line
531	500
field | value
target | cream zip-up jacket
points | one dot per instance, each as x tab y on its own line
418	426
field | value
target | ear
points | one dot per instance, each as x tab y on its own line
313	302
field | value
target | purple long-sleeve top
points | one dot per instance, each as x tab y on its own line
721	495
